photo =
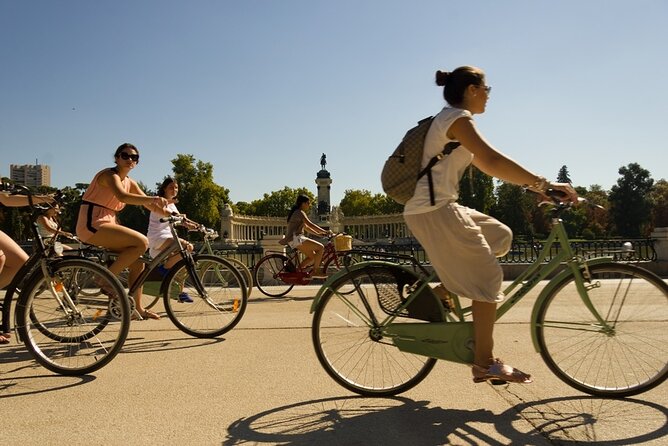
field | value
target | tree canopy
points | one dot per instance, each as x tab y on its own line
274	204
199	196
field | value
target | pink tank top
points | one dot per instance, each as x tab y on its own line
103	196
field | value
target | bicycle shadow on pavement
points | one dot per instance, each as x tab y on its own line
580	420
569	421
386	421
28	377
143	345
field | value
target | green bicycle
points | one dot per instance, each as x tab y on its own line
601	327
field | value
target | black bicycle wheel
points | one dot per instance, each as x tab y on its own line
349	341
266	275
213	313
627	357
69	333
246	273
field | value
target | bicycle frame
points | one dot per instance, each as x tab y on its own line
452	338
174	247
41	260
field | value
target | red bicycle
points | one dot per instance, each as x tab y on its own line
276	273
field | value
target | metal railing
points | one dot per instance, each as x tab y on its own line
526	251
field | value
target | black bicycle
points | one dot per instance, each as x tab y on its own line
67	330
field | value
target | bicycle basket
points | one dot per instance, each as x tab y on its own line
343	242
393	287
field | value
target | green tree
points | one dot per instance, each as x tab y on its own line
199	196
276	203
135	217
597	210
358	202
563	176
69	209
514	208
659	203
630	205
476	190
385	205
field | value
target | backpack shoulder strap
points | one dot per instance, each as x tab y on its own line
447	150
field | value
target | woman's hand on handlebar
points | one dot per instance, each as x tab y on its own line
565	191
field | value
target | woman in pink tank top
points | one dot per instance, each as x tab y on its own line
108	193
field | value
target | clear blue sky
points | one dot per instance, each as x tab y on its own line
261	89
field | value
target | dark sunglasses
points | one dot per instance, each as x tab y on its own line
126	156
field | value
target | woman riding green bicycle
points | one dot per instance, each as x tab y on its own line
461	243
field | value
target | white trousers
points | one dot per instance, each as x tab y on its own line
462	245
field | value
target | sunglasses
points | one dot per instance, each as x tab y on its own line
126	156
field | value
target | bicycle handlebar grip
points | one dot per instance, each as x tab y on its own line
171	219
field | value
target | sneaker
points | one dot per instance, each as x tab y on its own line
162	270
184	297
318	276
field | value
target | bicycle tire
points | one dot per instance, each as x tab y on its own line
246	273
351	348
266	275
629	359
218	312
74	340
336	263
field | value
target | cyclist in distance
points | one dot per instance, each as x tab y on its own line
295	236
108	193
463	244
12	257
159	234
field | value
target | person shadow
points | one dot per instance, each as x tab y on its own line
356	420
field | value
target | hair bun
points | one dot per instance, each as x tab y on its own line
441	77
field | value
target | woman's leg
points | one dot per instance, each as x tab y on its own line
3	339
313	251
14	258
484	316
129	245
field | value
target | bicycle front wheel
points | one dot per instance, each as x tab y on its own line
68	331
348	339
625	356
267	279
214	312
246	273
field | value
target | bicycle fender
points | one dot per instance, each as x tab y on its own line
326	287
549	288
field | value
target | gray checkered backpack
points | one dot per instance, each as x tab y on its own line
401	171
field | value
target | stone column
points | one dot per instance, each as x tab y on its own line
270	243
226	216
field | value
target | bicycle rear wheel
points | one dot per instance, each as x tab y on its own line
214	313
349	341
266	275
73	333
627	357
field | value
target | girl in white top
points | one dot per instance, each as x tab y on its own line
160	236
462	243
48	227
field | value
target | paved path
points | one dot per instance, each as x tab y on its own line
261	384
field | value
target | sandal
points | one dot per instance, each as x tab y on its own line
4	339
147	314
499	373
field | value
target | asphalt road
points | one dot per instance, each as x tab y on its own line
261	384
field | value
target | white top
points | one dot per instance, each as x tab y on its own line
447	172
158	232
